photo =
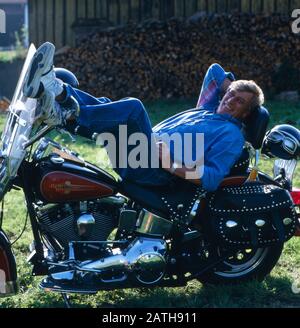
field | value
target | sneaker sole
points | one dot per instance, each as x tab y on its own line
41	64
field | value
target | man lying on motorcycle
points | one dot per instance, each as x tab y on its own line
219	118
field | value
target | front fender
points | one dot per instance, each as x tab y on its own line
8	269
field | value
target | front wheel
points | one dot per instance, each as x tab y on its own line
244	265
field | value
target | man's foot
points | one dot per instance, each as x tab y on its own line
40	75
48	110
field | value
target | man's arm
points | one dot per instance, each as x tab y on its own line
220	158
218	161
183	172
215	84
180	171
225	85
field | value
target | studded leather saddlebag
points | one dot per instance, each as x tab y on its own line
251	215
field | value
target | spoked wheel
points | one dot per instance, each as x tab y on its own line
244	265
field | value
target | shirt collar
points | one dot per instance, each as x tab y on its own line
226	117
232	119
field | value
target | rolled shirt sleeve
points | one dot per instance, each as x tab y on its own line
210	92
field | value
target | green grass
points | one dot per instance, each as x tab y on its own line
11	55
275	291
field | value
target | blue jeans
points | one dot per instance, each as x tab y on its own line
102	115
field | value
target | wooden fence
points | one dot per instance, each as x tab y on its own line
52	20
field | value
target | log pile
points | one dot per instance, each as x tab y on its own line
168	59
4	104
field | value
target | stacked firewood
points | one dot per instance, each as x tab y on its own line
168	59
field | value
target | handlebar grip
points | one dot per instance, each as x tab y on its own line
83	131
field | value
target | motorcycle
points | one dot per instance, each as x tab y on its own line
163	236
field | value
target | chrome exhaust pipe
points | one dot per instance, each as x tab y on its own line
144	256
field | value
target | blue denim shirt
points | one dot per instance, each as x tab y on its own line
223	139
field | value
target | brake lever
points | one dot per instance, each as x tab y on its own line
41	133
63	131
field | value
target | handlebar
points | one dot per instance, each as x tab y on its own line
83	131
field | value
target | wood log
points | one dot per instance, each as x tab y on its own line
169	59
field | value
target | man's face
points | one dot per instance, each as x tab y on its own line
236	103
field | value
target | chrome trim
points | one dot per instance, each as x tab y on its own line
149	223
151	252
76	129
66	132
95	136
40	134
113	200
85	224
55	159
257	157
9	288
260	223
64	275
287	221
231	224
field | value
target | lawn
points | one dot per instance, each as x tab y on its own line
275	291
9	56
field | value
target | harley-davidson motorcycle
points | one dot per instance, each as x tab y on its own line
161	236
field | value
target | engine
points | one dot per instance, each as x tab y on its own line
144	260
80	221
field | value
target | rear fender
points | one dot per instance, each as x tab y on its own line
8	270
295	193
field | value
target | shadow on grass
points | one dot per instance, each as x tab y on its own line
273	292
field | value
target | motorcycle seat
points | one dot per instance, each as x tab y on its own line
154	198
255	127
179	192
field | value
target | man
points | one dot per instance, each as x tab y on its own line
219	121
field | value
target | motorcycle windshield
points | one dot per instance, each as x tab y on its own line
17	129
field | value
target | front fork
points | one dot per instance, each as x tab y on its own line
295	193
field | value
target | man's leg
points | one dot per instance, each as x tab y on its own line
40	83
94	115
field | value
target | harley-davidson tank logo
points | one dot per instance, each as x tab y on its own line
63	186
68	187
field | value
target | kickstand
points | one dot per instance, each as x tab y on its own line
66	298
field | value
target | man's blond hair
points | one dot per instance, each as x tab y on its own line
252	87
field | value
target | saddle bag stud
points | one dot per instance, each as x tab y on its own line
180	207
287	221
231	224
260	223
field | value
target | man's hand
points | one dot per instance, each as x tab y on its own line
225	86
168	165
164	156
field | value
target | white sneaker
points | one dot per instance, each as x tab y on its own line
48	110
40	75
